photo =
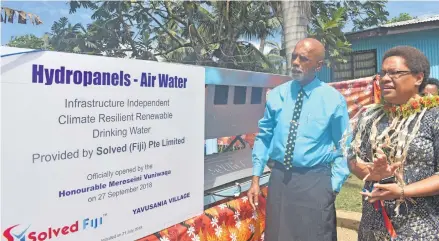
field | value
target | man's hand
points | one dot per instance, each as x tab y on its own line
380	168
254	192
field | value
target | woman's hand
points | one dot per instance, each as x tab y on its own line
383	192
380	168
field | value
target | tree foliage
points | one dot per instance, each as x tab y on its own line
330	17
209	33
27	41
401	17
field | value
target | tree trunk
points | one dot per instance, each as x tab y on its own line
286	58
295	19
262	43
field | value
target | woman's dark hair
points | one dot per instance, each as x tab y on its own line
432	81
414	59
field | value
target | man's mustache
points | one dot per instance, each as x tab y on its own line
296	70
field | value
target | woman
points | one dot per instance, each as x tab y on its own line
399	137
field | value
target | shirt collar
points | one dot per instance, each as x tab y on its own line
309	87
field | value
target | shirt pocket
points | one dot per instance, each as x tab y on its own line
315	127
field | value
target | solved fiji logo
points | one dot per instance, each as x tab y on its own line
21	233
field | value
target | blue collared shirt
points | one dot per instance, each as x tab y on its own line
322	123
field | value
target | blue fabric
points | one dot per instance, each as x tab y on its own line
322	123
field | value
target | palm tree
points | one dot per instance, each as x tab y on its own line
296	16
67	37
276	58
216	33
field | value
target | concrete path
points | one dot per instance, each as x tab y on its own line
345	234
347	223
350	220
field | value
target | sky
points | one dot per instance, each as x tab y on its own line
50	11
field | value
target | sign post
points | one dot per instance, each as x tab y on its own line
97	148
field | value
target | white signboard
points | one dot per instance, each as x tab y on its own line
97	148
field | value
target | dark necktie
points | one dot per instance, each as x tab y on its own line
289	148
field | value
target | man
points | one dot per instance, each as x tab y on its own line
304	120
431	87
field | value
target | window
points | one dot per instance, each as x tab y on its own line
256	96
240	93
221	95
359	64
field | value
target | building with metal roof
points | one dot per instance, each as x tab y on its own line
370	45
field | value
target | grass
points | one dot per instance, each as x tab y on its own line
349	198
